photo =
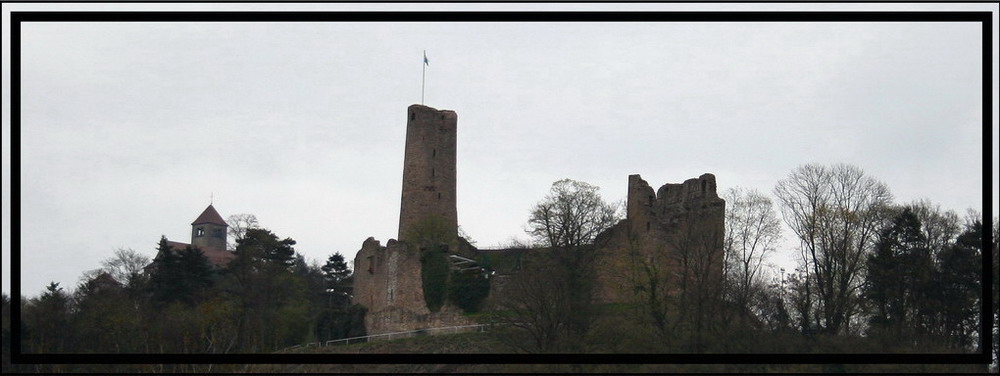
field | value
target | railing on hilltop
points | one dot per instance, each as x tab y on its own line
407	334
394	335
503	249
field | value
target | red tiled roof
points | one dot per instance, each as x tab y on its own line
209	216
216	256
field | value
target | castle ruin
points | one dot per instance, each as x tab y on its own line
678	227
387	279
673	226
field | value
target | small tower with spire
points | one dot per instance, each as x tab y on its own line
209	230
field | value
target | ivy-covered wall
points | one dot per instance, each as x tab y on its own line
434	277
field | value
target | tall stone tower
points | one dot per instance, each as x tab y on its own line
209	230
429	170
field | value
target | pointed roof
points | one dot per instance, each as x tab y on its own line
209	216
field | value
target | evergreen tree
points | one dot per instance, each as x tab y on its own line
196	273
337	274
337	319
47	318
261	245
179	275
924	292
164	281
958	286
335	270
273	298
899	273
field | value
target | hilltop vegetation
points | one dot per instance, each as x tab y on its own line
266	299
874	276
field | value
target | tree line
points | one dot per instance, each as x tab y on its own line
873	275
265	299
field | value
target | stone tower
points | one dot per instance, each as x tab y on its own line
209	230
388	279
429	170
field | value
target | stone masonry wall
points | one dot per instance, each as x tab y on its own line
689	215
387	280
429	180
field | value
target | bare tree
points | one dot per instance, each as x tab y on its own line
836	213
752	231
698	255
567	221
534	310
571	215
238	226
940	227
125	266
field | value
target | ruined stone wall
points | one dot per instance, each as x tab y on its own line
687	217
429	173
383	276
658	227
387	280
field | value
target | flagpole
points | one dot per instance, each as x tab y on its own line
423	77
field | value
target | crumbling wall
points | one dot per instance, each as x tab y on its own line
686	217
387	280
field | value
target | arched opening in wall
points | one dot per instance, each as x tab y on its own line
647	226
703	183
432	172
434	153
439	195
371	264
413	116
199	232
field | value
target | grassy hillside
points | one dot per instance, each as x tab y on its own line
472	343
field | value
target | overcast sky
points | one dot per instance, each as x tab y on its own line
129	129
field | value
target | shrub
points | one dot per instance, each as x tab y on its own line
434	277
468	290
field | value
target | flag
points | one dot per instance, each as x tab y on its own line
425	59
